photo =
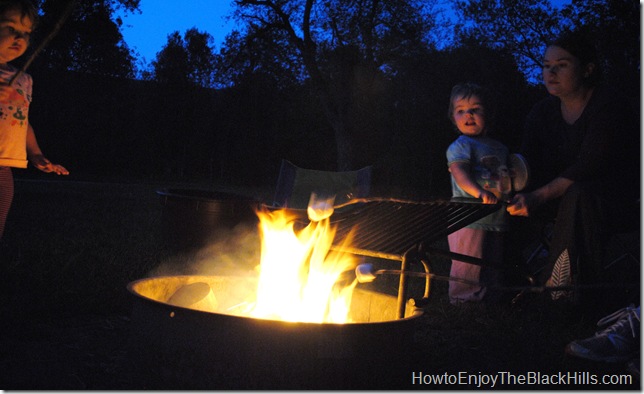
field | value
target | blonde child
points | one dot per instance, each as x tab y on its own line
17	138
478	168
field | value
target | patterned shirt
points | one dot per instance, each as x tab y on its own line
488	163
14	120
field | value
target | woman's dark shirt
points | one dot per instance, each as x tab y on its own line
601	146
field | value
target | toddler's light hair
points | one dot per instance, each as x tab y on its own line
27	9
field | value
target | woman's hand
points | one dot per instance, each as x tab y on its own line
523	204
44	165
520	205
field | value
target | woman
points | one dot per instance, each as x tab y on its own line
582	143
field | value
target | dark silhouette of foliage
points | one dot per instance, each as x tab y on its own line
363	35
525	27
187	60
522	27
243	55
333	84
615	27
171	64
184	70
89	41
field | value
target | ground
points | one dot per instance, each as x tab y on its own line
71	249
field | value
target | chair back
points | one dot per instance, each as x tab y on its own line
295	185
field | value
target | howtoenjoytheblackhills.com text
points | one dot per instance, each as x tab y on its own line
505	379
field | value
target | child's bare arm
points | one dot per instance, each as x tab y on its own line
461	173
37	158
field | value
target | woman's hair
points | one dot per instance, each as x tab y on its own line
27	9
467	90
579	44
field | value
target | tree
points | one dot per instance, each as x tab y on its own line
242	57
525	27
522	27
89	41
171	64
184	70
620	48
187	60
342	48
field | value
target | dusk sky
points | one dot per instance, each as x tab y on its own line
147	32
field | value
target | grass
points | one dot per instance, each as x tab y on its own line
71	248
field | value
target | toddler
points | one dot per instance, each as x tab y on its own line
17	138
478	168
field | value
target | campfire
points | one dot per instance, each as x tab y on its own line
301	277
302	314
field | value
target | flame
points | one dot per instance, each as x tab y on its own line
299	274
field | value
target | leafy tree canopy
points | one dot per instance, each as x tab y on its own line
342	49
89	41
187	60
525	27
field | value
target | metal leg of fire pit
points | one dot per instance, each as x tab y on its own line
402	284
402	287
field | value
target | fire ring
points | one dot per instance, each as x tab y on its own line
203	349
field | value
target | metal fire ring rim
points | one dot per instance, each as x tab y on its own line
416	313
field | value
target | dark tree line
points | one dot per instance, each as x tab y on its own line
327	84
89	40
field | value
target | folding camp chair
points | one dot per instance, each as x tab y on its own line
295	185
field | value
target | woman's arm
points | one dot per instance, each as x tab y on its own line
523	204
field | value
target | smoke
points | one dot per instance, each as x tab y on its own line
234	252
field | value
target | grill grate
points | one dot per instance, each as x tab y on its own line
387	228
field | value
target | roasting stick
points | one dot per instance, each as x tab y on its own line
366	273
45	41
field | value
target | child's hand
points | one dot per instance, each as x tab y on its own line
5	92
44	165
488	197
